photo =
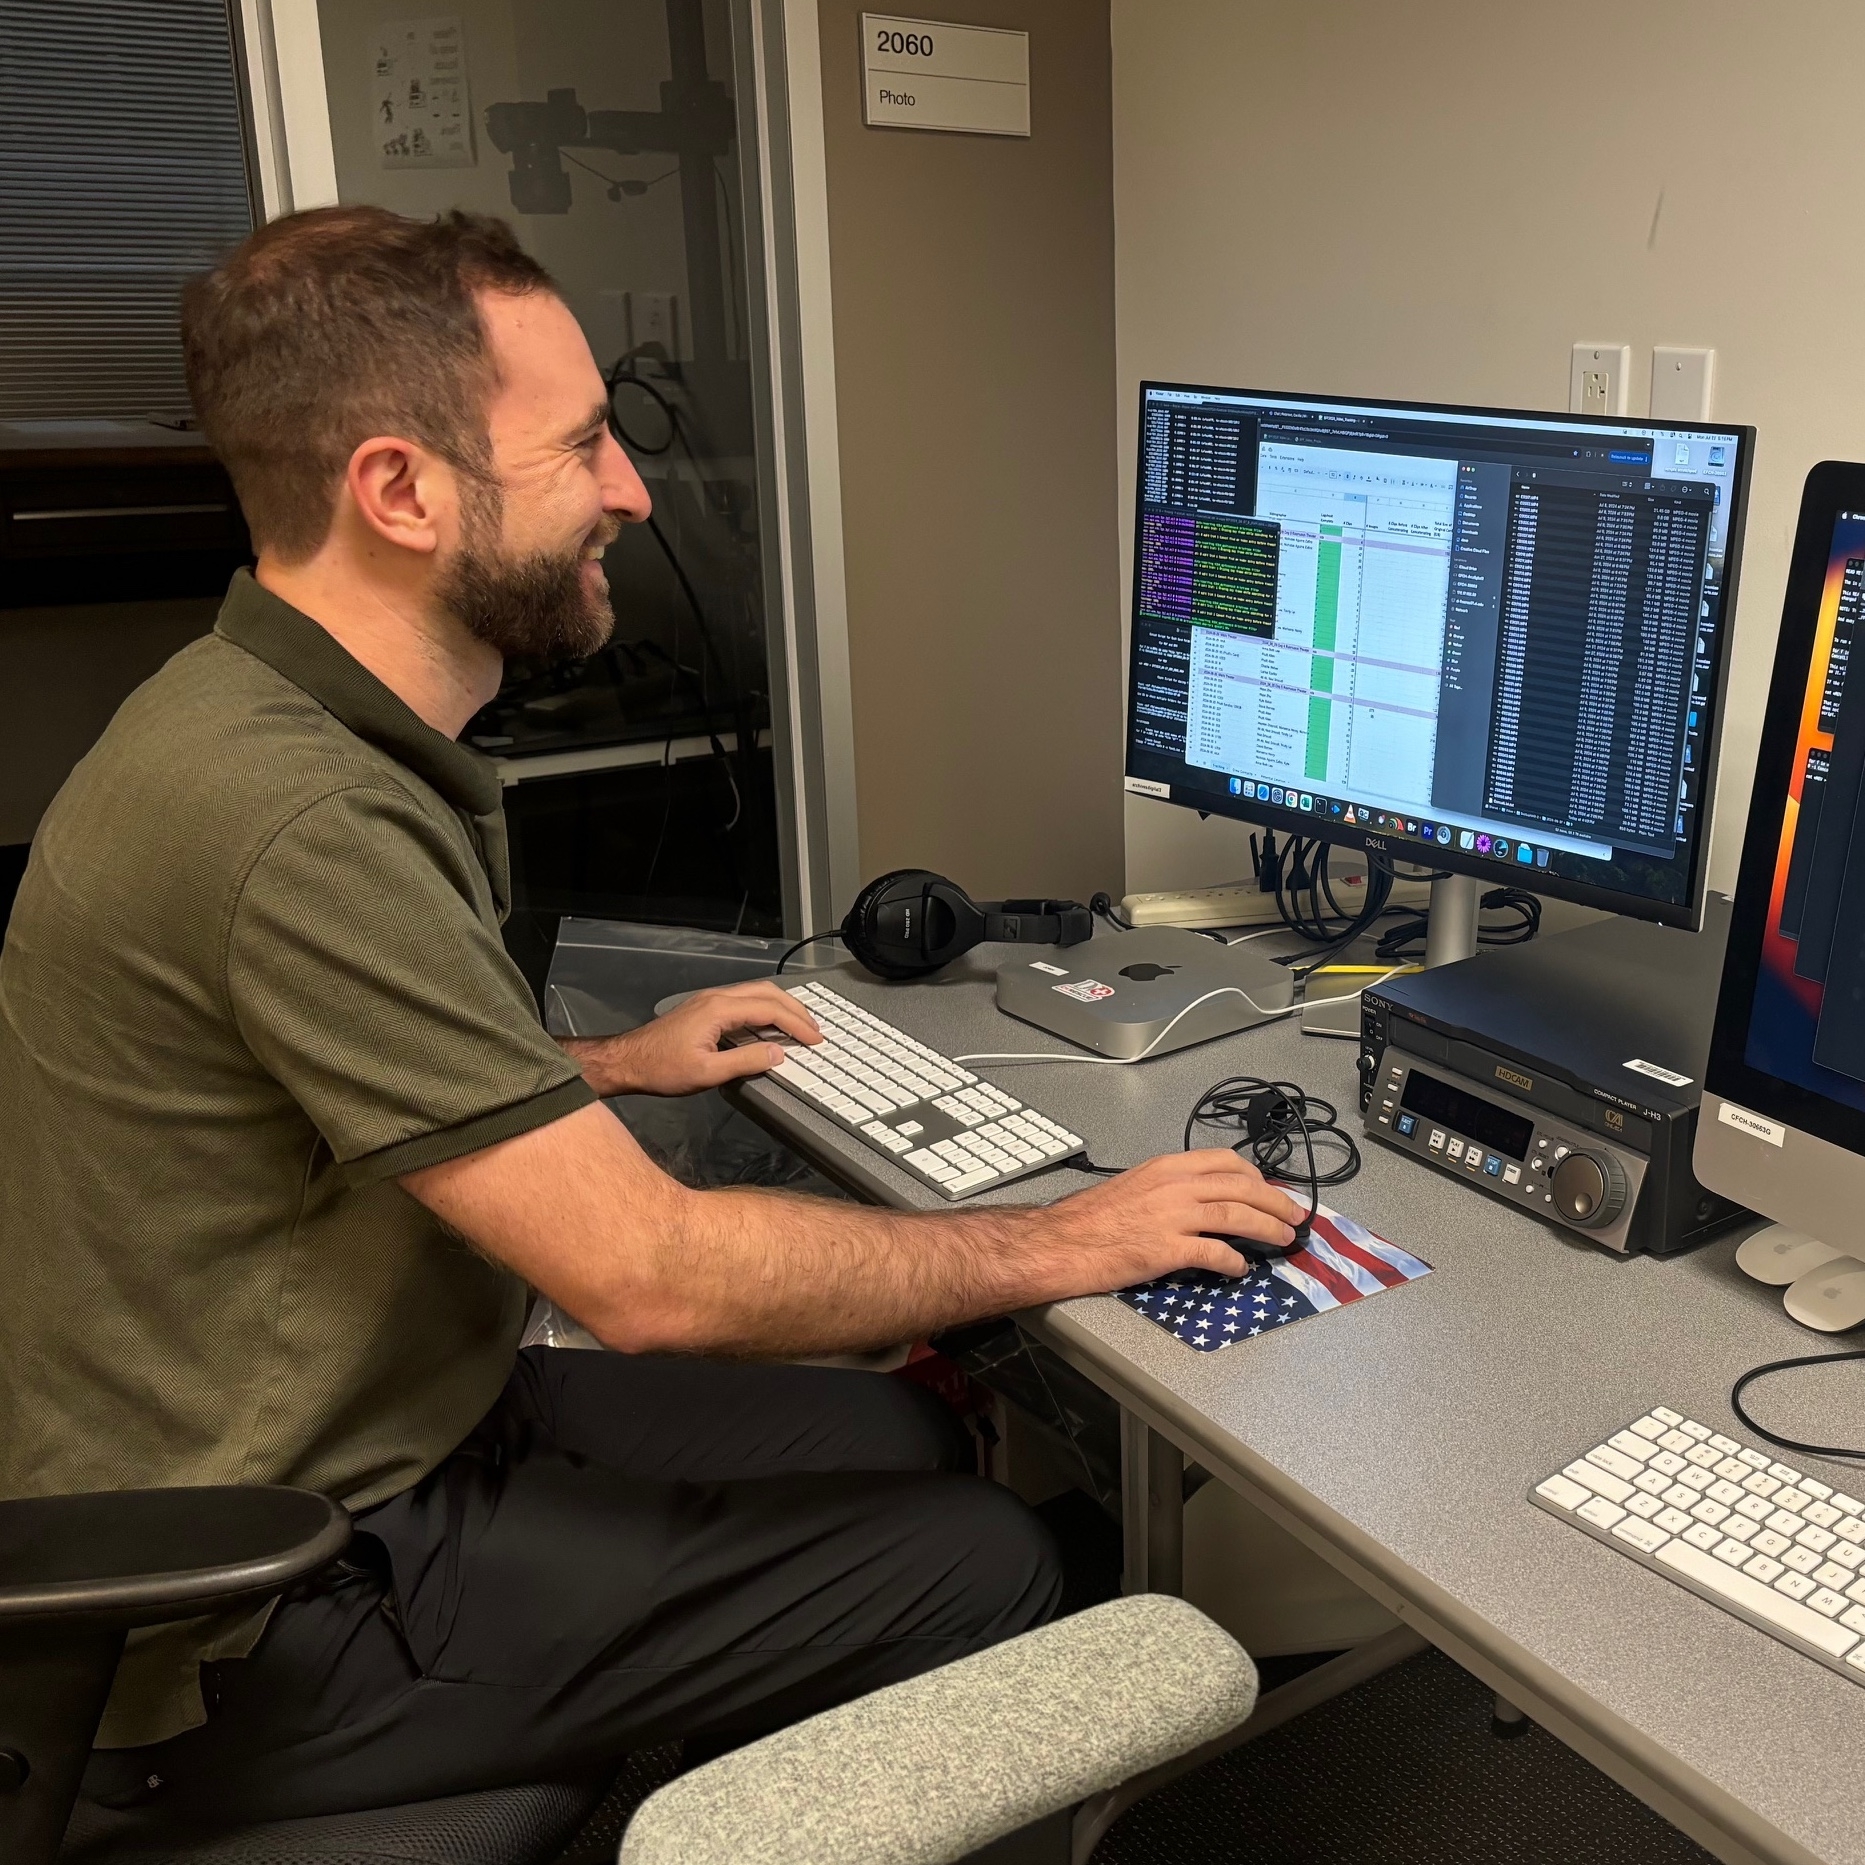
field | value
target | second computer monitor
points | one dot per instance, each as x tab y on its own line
1486	641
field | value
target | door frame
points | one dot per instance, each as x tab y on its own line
776	50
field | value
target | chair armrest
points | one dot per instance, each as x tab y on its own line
927	1771
145	1556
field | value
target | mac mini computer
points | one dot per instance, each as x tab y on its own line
1144	993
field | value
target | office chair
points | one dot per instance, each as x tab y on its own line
1020	1755
78	1572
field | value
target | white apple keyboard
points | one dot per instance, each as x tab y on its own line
910	1104
1753	1536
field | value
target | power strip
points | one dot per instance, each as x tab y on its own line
1244	903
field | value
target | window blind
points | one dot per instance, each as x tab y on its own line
122	172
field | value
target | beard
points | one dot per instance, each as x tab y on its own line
539	607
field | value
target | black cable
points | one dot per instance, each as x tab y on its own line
623	371
617	375
1102	905
1319	961
1323	921
834	932
743	726
1270	1116
619	185
1405	939
692	597
1781	1366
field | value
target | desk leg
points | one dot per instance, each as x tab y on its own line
1152	1509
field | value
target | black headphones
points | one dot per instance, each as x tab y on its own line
911	922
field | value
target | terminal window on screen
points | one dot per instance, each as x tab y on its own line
1488	624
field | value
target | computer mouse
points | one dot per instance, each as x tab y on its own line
1268	1252
1778	1255
1830	1298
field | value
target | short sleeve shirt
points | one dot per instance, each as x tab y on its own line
253	974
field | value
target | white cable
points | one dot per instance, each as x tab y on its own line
1225	990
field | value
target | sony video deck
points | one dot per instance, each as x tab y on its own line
1561	1075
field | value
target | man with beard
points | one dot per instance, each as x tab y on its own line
286	1148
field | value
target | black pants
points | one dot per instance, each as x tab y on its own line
625	1551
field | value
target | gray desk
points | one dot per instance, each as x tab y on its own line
1397	1438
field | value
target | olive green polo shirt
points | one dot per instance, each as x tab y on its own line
253	974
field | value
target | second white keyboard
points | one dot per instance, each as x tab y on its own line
1756	1537
914	1106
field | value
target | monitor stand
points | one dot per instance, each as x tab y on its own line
1450	923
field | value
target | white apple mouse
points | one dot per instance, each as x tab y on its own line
1830	1298
1778	1255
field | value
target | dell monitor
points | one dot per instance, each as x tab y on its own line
1489	642
1782	1126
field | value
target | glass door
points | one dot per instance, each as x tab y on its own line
610	133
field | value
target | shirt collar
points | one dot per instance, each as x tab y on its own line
310	657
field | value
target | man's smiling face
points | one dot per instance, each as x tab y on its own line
526	574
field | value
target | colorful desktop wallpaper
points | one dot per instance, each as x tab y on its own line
1786	1010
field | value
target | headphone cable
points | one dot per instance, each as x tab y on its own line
834	932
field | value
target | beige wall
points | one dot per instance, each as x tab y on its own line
1439	199
973	291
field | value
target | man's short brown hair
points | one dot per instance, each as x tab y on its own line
336	324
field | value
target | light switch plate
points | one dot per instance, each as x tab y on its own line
1682	383
1598	378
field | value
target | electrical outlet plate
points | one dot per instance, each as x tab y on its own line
654	318
1598	376
1682	383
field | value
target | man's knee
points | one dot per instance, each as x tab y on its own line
987	1562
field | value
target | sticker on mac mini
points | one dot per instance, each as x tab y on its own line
1084	990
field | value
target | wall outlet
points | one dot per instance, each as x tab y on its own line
1682	383
1598	378
654	318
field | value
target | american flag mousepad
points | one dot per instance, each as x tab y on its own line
1343	1262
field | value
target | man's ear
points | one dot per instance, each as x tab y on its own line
402	492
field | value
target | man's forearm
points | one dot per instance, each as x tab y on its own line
755	1272
603	1061
648	1265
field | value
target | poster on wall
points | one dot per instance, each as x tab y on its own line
422	113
